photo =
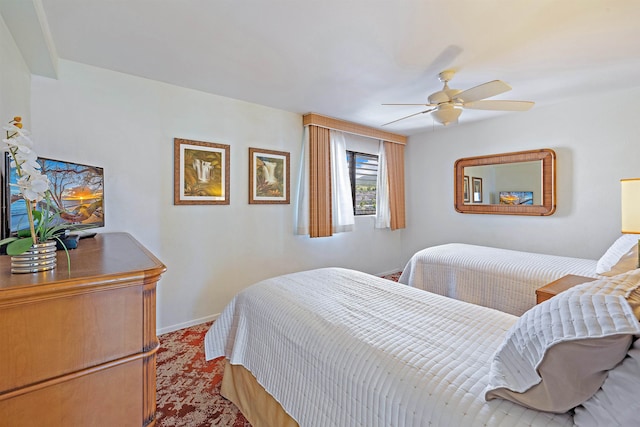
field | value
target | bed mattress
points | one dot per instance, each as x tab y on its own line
343	348
497	278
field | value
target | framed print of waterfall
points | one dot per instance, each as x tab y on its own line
268	176
200	173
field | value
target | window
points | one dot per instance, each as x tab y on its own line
363	173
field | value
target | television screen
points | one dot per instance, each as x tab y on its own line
516	197
77	191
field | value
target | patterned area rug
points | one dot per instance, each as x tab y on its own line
394	276
188	387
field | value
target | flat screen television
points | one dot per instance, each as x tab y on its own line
77	191
516	197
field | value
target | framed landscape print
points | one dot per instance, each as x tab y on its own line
477	189
465	191
201	173
268	176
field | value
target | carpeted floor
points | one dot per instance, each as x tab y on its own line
188	387
394	276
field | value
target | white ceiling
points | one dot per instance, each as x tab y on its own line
344	58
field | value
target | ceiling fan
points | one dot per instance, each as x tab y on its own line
447	104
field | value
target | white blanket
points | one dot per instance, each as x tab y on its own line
498	278
341	348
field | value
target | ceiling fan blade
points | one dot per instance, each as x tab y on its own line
410	115
499	105
485	90
423	104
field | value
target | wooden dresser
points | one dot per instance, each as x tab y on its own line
79	349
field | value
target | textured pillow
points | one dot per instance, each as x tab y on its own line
615	252
626	285
628	261
558	353
616	403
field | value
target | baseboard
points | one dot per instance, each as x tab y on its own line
188	324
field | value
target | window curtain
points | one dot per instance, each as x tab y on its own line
301	219
324	203
394	156
342	206
320	224
383	210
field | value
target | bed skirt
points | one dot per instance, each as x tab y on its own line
258	407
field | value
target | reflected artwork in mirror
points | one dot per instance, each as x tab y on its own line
519	183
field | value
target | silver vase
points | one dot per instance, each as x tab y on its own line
41	257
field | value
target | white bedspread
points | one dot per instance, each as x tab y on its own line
498	278
341	348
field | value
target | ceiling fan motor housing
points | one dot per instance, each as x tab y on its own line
445	95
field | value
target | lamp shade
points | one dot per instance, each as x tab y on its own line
630	198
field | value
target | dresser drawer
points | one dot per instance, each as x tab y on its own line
100	398
52	337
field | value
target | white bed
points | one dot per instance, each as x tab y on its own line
336	347
498	278
506	279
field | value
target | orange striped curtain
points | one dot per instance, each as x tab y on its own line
320	224
395	172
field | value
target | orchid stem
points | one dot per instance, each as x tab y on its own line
31	226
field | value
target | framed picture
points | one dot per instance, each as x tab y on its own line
268	176
200	173
477	189
465	190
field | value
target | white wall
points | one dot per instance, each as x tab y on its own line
15	79
127	124
595	148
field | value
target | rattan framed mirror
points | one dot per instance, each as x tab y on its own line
518	183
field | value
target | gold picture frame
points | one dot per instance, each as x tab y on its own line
269	176
200	172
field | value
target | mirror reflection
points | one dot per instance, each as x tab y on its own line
506	184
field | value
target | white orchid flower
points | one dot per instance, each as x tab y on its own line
34	186
26	162
11	129
22	143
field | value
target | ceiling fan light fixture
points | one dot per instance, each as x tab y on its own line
446	114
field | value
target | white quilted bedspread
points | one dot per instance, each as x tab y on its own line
498	278
341	348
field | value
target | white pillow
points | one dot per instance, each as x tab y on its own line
626	285
616	251
558	353
616	403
